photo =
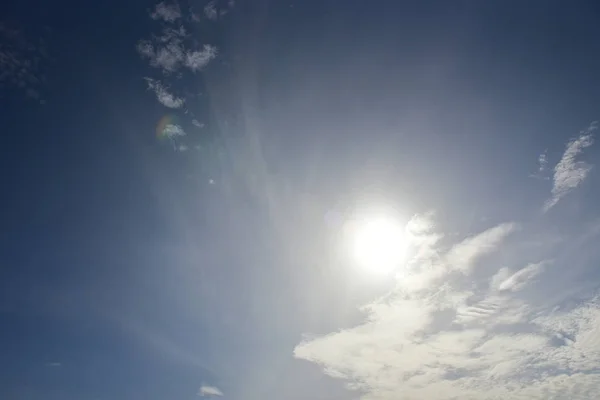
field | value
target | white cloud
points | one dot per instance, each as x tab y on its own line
198	124
428	266
166	12
208	391
570	173
456	340
463	256
173	131
521	278
21	61
196	60
174	53
162	94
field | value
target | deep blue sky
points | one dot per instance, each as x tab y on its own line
124	274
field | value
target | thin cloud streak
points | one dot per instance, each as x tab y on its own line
209	391
463	255
520	279
570	173
53	364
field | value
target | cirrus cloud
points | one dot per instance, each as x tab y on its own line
569	173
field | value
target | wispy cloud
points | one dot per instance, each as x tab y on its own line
479	336
174	49
169	12
196	60
21	61
173	131
543	161
519	279
210	11
215	9
209	391
463	255
166	51
53	364
163	95
541	172
175	54
570	173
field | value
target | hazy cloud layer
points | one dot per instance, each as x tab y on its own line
569	172
210	11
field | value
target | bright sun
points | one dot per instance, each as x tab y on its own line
379	243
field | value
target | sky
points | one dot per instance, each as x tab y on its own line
182	180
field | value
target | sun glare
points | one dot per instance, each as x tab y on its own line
379	243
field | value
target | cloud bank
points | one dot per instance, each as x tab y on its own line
490	316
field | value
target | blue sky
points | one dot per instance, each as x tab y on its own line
182	182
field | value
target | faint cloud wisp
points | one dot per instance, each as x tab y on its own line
21	61
168	12
209	391
570	173
162	94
